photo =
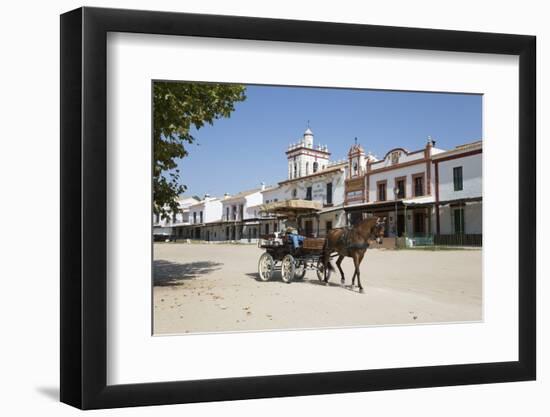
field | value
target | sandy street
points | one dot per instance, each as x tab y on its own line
214	288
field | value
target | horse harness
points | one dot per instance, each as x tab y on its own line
345	240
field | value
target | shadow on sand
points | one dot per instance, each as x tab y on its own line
166	273
277	278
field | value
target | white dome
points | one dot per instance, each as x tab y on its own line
308	132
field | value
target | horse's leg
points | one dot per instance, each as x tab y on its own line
339	265
357	261
327	265
354	257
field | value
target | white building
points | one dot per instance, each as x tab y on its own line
400	187
240	219
208	210
424	194
173	225
427	194
458	202
304	158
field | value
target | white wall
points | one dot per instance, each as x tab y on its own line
473	223
212	211
319	187
404	157
268	196
252	200
472	177
390	176
30	365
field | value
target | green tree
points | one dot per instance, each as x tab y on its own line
177	108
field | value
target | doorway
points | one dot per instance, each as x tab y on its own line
419	223
400	225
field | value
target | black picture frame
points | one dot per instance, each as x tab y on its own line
84	207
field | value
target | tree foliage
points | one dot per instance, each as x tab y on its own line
177	108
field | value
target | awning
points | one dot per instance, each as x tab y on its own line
467	201
419	201
390	204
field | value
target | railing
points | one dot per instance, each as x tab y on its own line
459	240
471	240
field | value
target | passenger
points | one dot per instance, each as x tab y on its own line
291	230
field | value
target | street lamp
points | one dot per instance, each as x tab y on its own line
395	196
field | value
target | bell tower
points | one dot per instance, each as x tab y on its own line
357	162
304	158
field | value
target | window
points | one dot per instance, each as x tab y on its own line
308	193
295	170
234	212
307	168
382	191
457	178
294	193
329	193
355	169
328	226
194	217
200	214
267	228
276	226
419	186
395	157
400	184
241	212
315	166
227	213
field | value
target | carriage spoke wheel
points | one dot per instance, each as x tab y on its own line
288	268
265	267
300	271
321	271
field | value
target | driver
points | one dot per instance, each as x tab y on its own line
291	230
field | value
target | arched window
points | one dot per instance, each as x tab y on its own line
315	166
355	168
307	168
294	193
295	170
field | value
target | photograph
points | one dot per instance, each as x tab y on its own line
294	207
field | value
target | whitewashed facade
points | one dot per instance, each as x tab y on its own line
175	222
425	193
459	201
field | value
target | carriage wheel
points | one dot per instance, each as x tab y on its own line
265	266
321	271
300	271
288	268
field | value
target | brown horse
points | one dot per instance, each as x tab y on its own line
352	242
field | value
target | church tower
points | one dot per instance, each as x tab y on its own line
357	162
304	158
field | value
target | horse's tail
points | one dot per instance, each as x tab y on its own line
326	256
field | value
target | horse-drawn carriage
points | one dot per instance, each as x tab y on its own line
282	253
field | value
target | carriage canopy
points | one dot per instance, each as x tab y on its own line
291	208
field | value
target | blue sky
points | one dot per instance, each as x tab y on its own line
238	153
